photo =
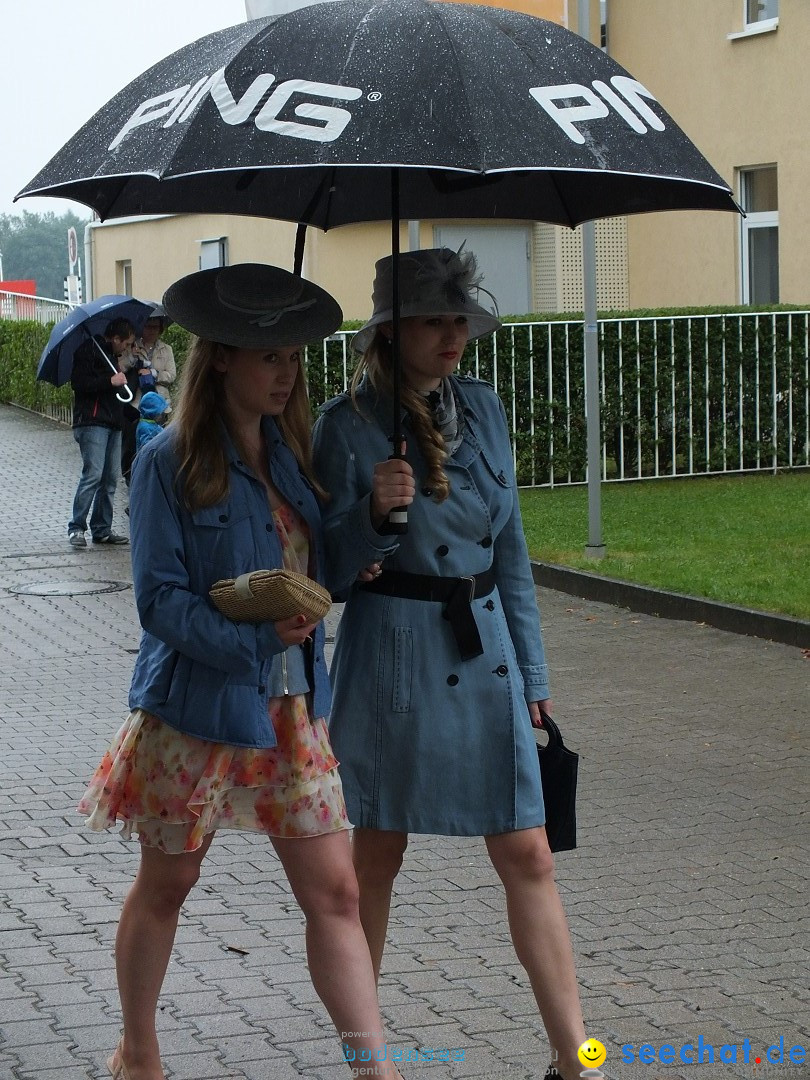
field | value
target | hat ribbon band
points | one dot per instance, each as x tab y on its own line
271	316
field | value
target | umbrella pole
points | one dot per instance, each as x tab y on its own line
397	521
300	239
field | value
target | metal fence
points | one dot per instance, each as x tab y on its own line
683	395
39	308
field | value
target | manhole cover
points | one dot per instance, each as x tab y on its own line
69	588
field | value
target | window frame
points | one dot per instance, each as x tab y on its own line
208	243
753	220
767	22
758	26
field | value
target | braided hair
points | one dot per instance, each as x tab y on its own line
376	361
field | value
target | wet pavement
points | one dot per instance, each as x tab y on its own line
688	895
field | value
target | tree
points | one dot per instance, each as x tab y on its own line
35	246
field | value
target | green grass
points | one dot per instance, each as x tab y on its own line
742	540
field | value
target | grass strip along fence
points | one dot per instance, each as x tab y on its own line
735	539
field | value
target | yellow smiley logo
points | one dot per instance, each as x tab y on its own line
592	1053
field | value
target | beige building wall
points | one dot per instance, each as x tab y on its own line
159	250
744	102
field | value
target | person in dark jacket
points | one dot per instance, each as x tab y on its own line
97	423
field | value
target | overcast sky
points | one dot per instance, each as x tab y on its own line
63	59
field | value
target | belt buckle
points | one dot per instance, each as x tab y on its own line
471	581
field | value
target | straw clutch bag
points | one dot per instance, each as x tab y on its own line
270	595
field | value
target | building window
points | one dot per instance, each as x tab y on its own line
759	11
213	253
760	236
123	277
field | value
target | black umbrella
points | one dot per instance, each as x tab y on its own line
366	110
487	113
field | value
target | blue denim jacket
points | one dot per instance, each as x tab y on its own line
198	671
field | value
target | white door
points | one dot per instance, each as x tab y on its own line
504	258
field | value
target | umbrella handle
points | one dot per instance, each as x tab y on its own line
128	395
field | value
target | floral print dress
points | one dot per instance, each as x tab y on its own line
174	789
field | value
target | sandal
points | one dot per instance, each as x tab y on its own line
116	1064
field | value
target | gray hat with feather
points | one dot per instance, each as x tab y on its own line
434	281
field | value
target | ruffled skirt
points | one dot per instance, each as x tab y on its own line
174	789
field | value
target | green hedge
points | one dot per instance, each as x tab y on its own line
729	379
21	345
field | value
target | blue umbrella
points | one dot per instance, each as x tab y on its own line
82	324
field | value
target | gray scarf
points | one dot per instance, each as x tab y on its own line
447	419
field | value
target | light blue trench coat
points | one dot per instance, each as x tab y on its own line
429	743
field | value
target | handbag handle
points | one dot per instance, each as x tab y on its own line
554	736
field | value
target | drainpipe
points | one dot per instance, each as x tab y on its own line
88	259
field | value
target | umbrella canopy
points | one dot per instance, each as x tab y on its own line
484	112
83	322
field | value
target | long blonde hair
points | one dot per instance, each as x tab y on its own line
376	362
201	406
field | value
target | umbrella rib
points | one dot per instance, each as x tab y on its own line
437	13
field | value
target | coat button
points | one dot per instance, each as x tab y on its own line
501	670
442	549
269	526
427	492
223	517
262	689
490	605
486	542
452	680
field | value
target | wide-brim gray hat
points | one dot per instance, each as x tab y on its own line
252	306
433	281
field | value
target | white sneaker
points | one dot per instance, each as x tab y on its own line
76	539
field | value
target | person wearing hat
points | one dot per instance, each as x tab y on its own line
149	366
227	723
153	409
436	736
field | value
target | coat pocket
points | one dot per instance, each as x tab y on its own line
403	669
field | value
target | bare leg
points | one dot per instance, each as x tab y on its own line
377	856
540	935
319	869
143	946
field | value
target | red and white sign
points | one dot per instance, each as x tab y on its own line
73	248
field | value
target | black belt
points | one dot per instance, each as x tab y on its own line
456	593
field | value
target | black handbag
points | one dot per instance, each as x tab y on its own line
558	771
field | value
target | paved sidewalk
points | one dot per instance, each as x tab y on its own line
687	897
